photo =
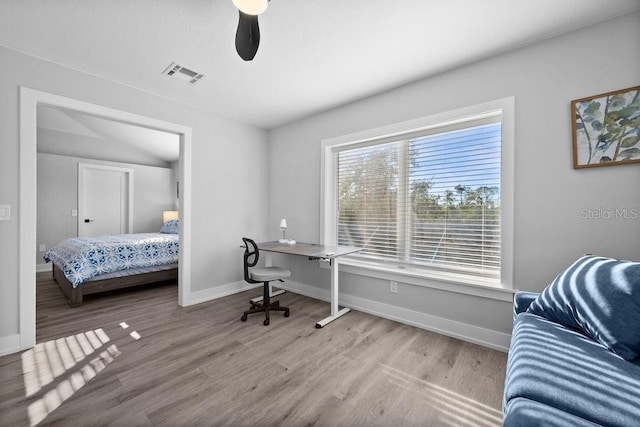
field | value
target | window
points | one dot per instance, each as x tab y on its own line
426	199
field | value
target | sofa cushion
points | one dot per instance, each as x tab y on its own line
523	412
599	296
564	369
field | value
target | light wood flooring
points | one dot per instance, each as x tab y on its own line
202	366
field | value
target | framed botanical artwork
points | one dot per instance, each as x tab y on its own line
606	129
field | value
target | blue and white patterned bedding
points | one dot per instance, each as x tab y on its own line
83	258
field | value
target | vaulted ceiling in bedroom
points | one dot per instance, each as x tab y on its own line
72	133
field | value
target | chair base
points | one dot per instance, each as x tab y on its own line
266	306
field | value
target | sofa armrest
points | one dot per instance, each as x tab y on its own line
522	300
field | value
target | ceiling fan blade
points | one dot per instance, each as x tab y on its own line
247	36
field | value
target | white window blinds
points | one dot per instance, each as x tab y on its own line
428	199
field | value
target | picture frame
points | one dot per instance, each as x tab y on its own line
606	129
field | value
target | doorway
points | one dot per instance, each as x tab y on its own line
29	100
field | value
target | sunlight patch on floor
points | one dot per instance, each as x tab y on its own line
458	409
54	370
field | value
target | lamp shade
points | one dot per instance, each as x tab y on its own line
251	7
283	224
169	215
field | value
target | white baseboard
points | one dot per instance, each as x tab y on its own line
471	333
43	268
221	291
9	344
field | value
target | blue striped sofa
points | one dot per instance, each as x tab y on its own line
559	376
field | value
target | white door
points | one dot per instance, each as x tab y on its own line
105	200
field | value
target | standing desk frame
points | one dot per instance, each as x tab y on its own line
319	252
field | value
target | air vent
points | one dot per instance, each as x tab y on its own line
182	73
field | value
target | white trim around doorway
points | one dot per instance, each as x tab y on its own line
29	100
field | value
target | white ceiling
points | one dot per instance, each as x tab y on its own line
314	54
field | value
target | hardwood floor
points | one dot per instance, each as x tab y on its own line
201	366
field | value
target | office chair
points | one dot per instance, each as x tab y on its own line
261	275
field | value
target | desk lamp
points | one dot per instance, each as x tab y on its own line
283	227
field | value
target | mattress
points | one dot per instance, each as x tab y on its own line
133	272
83	258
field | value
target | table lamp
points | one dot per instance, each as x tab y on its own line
283	227
169	215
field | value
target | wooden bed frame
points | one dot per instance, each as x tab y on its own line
75	295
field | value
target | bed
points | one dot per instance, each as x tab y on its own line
88	265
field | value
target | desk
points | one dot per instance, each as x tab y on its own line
313	251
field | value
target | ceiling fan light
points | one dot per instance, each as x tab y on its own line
251	7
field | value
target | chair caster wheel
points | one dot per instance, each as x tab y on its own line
244	318
286	313
266	322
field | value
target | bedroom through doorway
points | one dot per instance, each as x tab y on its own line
57	134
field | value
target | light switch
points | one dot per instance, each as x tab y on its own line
74	212
5	212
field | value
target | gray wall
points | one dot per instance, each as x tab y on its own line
58	194
549	194
222	150
285	173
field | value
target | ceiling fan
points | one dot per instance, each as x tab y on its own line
248	32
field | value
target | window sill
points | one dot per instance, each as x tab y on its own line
444	281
